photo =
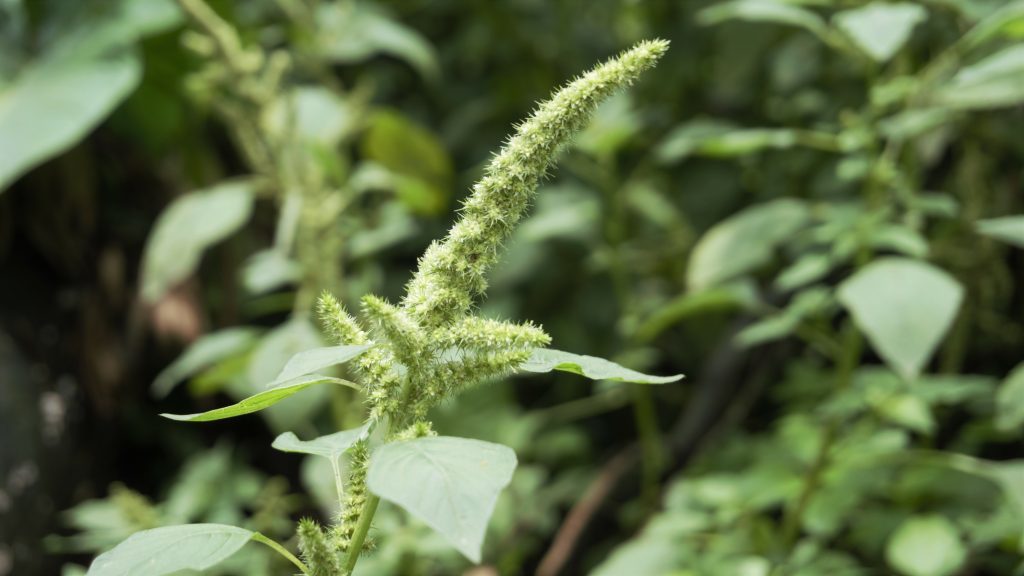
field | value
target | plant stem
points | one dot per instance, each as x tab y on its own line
365	519
281	550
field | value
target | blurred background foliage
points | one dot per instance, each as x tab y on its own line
809	208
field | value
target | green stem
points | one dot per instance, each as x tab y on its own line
281	550
650	442
355	547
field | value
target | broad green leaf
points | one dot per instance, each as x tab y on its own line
317	359
419	164
614	122
902	239
904	307
685	139
1009	229
202	354
996	81
545	360
906	410
765	11
331	446
451	484
57	99
350	32
170	549
185	229
744	242
784	323
1010	401
737	295
880	29
926	546
262	400
809	268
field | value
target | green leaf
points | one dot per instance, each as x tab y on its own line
737	295
902	239
331	446
317	359
57	99
269	270
1009	229
996	81
449	483
545	360
420	167
784	323
203	353
262	400
170	549
765	11
268	359
185	229
809	268
1007	19
906	410
880	29
350	32
317	115
685	139
744	242
1010	401
926	546
904	307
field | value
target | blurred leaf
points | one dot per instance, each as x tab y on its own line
1010	401
170	549
784	323
913	123
765	11
395	226
1009	18
926	546
744	242
880	29
316	114
906	410
331	446
1009	229
186	228
355	31
269	270
262	400
421	166
612	125
809	268
686	138
902	239
309	361
61	96
737	295
904	307
203	353
451	484
545	360
268	359
996	81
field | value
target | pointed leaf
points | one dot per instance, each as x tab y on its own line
170	549
546	360
1009	229
262	400
744	242
331	446
449	483
880	29
765	11
315	360
904	307
994	82
186	228
203	353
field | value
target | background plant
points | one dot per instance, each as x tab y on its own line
611	236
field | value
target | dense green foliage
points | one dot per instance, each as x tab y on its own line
813	209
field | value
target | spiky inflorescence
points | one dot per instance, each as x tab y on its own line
320	557
355	498
452	273
339	325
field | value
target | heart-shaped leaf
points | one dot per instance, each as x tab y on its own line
546	360
262	400
904	307
451	484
